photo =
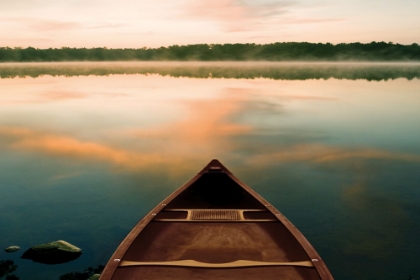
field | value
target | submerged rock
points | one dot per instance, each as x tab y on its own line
53	253
94	277
11	249
6	267
89	273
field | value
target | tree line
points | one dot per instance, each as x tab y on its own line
290	51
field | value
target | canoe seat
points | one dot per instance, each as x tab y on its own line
214	215
235	264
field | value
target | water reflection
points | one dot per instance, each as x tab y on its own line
337	157
236	70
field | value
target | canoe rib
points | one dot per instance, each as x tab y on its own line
235	264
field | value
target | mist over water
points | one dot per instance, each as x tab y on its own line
88	148
238	70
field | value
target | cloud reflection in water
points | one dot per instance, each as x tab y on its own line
335	143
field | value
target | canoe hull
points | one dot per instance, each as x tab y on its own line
210	228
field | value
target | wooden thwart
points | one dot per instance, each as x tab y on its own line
215	215
239	263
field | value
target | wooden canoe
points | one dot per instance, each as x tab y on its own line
215	227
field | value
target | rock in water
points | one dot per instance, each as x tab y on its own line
94	277
53	253
7	267
11	249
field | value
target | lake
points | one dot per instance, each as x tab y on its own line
87	149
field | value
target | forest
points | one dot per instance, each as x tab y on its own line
288	51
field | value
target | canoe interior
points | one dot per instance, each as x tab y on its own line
218	191
214	220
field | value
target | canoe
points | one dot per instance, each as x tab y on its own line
215	227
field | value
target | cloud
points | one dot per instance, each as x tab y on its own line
52	96
68	147
310	20
225	12
264	17
41	24
207	132
309	97
106	25
62	95
23	4
323	154
236	15
206	127
53	25
59	95
268	8
204	133
49	26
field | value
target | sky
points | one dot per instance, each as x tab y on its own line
141	23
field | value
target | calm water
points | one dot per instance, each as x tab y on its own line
87	149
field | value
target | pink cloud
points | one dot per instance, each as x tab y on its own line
234	15
208	124
310	20
53	25
68	147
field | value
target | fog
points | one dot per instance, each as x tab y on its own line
376	71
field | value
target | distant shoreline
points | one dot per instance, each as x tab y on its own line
279	52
